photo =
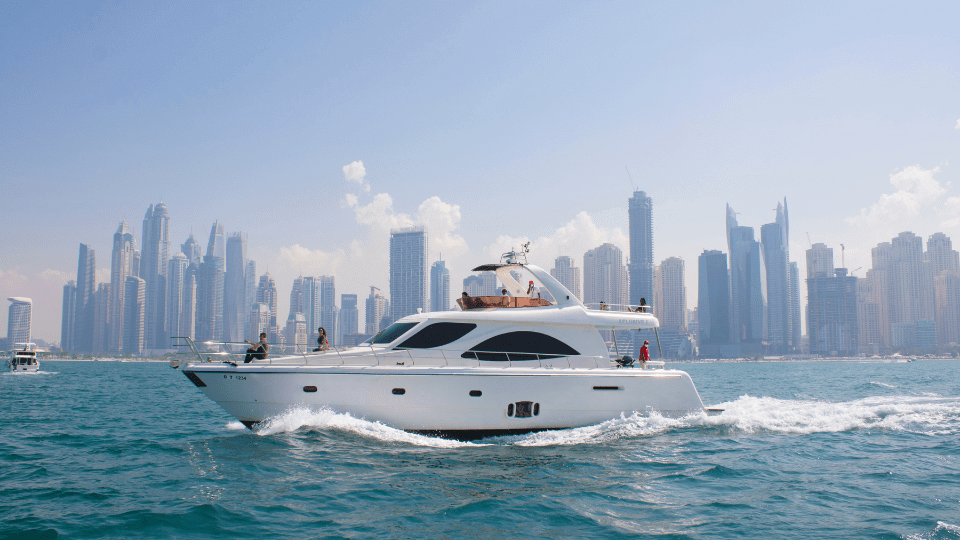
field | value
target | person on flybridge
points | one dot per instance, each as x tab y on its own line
533	291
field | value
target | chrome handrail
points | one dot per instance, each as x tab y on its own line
603	306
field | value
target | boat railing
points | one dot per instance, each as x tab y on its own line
603	306
221	351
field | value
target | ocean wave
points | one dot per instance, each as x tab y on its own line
942	531
299	417
924	415
28	373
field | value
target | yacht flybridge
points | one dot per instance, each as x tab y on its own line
513	363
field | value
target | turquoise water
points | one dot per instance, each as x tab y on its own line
803	450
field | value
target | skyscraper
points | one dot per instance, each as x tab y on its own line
672	305
296	298
481	284
312	299
134	315
123	265
191	248
349	316
819	261
566	272
210	287
776	257
605	276
713	303
267	296
153	270
101	319
83	325
19	320
234	290
944	263
439	287
328	307
376	307
67	322
640	212
177	300
832	314
250	288
408	271
748	287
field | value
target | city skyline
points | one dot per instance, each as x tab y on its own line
849	113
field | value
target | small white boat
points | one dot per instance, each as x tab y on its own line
24	358
502	365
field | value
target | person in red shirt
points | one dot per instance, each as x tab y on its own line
644	353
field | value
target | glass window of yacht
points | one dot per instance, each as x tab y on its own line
392	332
437	335
522	345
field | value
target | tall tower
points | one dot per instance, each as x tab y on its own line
713	302
439	287
328	308
267	296
748	287
408	271
122	266
19	320
672	303
566	272
191	248
641	248
210	287
177	299
234	289
153	271
349	316
375	310
773	237
68	322
604	276
83	330
134	315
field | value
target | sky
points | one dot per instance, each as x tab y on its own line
315	127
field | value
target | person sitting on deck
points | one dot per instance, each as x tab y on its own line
258	351
642	308
322	343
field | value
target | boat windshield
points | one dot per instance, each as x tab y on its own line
392	332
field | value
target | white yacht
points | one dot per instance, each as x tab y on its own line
502	365
23	358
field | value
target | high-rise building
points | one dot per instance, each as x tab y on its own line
19	320
408	271
605	276
235	309
191	284
819	261
796	330
672	306
83	321
944	263
210	287
296	298
100	342
776	257
748	287
153	270
439	287
566	272
177	300
134	315
349	317
482	284
640	211
267	296
191	248
124	264
328	308
911	284
68	322
296	332
312	296
713	302
376	309
832	314
260	319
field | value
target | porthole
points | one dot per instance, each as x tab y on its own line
510	409
309	388
475	393
399	391
536	409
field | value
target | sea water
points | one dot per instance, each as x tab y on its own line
802	450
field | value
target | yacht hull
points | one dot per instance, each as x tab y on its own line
449	401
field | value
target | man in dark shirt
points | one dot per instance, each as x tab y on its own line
258	351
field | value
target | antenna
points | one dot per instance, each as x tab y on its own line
843	264
631	178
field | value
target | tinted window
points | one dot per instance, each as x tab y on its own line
392	332
534	344
437	335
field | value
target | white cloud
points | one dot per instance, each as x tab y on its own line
916	190
310	262
57	276
958	124
356	172
441	220
578	236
